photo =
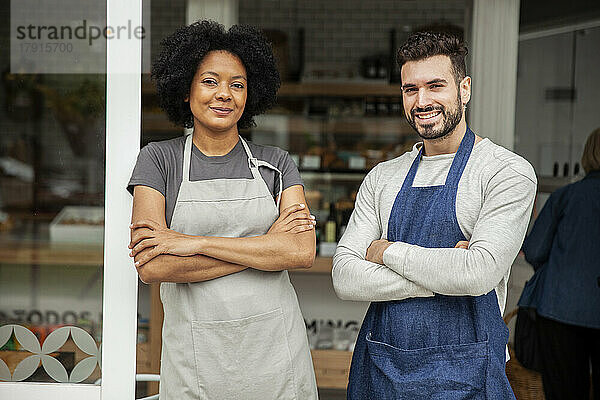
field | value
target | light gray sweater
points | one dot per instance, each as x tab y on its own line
493	205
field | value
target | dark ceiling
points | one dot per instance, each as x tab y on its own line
537	14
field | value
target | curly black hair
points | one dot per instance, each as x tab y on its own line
421	45
183	51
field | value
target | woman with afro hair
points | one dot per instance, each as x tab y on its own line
219	221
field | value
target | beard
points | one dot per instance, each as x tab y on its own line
450	119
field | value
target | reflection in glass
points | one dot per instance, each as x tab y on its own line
52	155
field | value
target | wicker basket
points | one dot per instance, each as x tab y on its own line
526	383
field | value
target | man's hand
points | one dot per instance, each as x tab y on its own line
376	249
463	244
293	219
160	240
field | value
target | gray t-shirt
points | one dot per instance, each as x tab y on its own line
160	166
493	204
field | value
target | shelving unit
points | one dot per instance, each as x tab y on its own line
358	88
349	88
155	120
93	256
46	253
333	175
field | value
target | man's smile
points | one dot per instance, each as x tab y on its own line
427	116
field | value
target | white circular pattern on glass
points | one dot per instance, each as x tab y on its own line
42	354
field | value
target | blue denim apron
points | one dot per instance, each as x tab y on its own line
440	347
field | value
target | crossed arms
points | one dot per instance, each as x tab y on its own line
366	267
163	255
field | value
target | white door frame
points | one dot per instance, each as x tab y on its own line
123	121
119	325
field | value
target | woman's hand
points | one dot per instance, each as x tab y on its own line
160	240
463	244
293	219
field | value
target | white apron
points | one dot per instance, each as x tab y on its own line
240	336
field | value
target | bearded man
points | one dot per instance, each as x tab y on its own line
430	244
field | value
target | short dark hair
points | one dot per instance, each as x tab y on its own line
423	45
183	51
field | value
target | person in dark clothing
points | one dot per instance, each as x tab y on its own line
564	249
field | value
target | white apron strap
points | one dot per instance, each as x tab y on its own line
261	163
254	163
187	157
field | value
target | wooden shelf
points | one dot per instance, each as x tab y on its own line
328	175
330	89
372	126
322	265
51	254
338	89
142	359
332	368
89	255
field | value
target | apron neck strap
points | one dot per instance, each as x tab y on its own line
247	148
458	163
461	158
261	163
254	163
187	157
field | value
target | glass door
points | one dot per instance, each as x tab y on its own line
587	85
544	102
557	105
70	95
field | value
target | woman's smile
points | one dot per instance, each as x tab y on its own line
221	111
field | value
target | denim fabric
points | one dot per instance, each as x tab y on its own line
441	347
563	247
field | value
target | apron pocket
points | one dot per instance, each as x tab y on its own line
441	372
246	358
